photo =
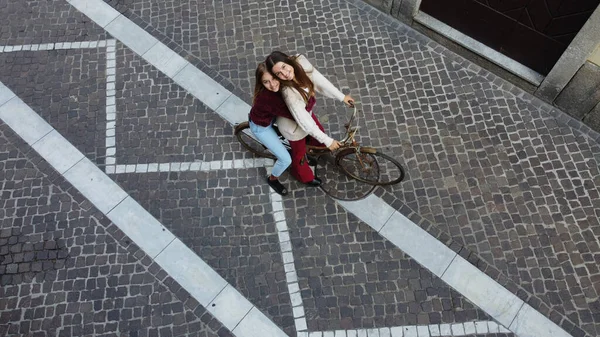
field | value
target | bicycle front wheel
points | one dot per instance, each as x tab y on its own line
370	167
245	136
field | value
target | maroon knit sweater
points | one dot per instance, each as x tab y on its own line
267	106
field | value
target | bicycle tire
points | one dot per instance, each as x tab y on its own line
350	162
394	175
244	136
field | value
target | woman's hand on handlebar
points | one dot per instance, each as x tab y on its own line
334	146
349	101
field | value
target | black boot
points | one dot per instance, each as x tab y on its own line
315	182
277	186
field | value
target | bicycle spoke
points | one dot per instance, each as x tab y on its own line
362	166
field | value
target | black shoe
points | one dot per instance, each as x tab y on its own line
277	186
315	182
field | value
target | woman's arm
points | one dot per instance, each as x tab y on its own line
296	104
322	85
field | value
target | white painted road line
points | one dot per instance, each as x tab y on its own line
417	243
287	256
165	60
57	151
24	121
204	88
131	35
191	272
229	307
141	227
95	185
98	11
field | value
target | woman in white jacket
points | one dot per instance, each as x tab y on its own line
300	80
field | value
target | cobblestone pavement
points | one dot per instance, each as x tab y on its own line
490	169
45	21
158	121
225	217
67	88
68	271
352	278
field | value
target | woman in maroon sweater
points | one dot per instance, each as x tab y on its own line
268	104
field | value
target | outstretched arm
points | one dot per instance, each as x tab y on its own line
322	84
297	107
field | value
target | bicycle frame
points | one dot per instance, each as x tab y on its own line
349	142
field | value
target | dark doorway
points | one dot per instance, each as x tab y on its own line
532	32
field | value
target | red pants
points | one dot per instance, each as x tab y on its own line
302	172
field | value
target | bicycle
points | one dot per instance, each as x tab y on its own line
358	162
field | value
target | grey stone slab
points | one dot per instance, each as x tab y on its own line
417	243
99	11
372	210
482	291
58	151
197	83
530	323
582	93
24	121
592	119
573	57
191	272
5	94
229	307
256	324
141	227
95	185
131	35
234	110
165	59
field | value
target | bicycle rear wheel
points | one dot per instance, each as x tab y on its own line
370	167
244	136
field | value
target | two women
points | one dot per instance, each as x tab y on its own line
298	82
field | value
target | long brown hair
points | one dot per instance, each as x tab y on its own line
258	85
301	80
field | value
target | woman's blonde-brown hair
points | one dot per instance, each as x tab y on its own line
258	85
301	80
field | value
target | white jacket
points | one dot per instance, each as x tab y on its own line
304	124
